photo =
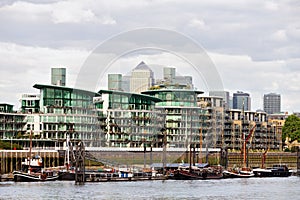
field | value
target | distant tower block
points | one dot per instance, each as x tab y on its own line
142	78
115	82
58	76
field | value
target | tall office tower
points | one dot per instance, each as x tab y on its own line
126	83
184	80
230	104
142	78
241	101
272	103
115	82
58	76
169	74
224	95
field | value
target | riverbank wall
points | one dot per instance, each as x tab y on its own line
11	160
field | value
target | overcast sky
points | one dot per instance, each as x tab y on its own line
255	44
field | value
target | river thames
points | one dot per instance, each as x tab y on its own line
252	188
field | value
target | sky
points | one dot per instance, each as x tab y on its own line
253	44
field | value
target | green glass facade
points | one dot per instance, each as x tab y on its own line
182	115
66	110
130	120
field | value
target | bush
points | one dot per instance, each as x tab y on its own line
8	146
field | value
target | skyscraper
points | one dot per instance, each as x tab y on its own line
126	83
142	78
169	74
115	82
58	76
171	78
272	103
241	101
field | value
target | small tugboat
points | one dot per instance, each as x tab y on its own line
279	170
32	171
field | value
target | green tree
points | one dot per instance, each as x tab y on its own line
291	128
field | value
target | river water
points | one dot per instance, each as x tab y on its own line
251	188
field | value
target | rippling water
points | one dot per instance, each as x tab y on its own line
252	188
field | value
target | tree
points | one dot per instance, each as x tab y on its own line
291	128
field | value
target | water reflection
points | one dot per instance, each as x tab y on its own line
252	188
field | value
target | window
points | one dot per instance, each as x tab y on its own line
58	102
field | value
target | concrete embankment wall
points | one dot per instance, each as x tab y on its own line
234	158
11	160
255	159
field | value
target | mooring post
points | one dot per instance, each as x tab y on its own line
80	167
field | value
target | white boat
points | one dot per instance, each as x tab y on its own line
238	173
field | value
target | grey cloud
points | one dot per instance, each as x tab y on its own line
237	27
262	30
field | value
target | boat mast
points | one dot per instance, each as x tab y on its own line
30	147
244	150
67	157
244	140
200	147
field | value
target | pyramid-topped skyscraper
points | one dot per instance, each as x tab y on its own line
142	78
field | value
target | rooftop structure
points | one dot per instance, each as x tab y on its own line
30	103
58	76
6	108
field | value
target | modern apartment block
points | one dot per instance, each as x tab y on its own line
182	114
272	103
241	101
11	124
119	119
212	120
237	126
129	120
63	111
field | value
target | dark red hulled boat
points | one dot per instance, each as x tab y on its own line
197	173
